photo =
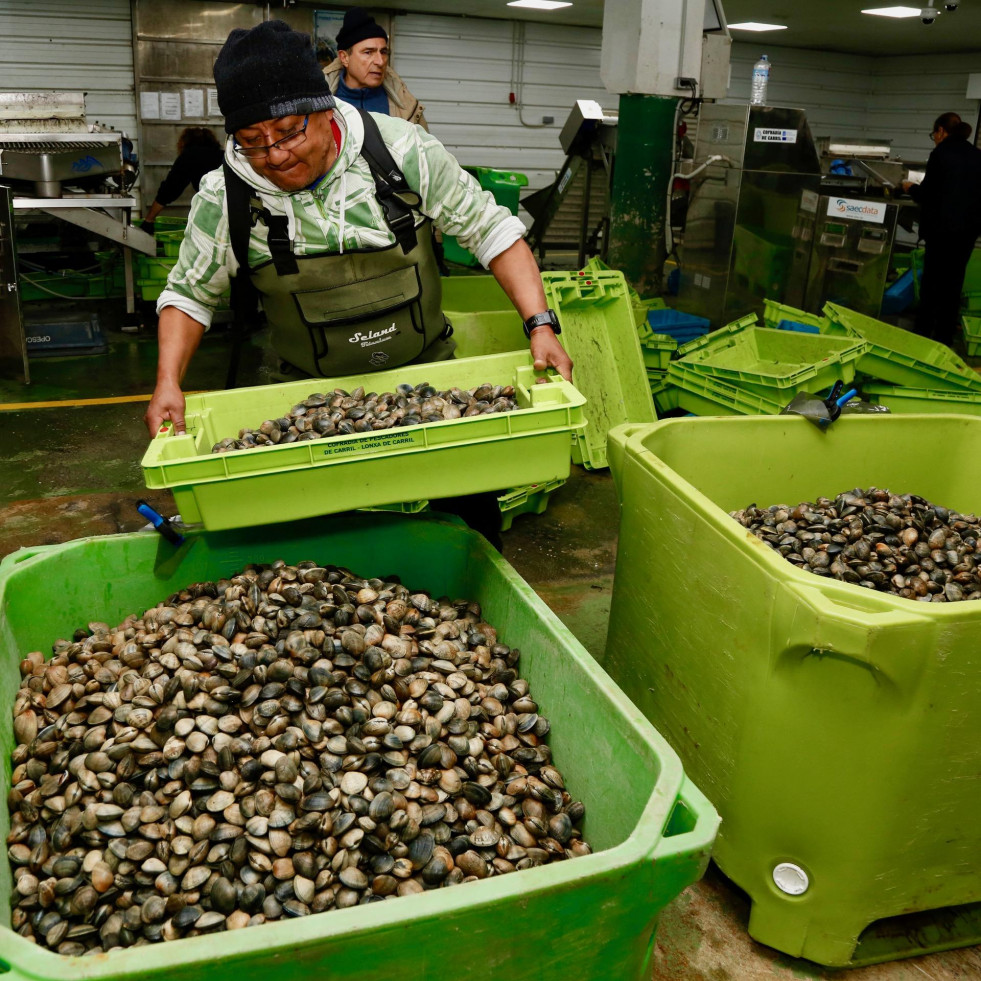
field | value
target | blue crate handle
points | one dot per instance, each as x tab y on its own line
160	523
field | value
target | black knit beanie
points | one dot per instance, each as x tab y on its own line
357	26
267	72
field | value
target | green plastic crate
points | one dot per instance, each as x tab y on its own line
44	286
704	395
150	289
835	728
323	476
530	499
484	319
898	399
773	364
154	268
506	187
599	333
651	828
715	338
164	223
656	349
664	393
900	357
972	335
169	242
774	312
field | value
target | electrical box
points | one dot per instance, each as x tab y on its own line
716	50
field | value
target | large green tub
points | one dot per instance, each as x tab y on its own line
590	919
836	729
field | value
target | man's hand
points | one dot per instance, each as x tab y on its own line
167	403
549	353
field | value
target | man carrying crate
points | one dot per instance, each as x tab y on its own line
324	212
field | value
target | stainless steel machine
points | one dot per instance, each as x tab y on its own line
54	163
851	253
755	182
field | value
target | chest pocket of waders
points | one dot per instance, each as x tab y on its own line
342	313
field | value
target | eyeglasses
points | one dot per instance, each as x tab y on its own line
288	142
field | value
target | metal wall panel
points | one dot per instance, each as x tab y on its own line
67	46
909	93
464	69
176	46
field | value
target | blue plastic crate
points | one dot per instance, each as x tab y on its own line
900	295
681	326
798	326
81	336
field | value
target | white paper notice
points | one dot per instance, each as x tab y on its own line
170	105
193	103
213	109
150	105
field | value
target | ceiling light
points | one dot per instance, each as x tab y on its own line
541	4
893	11
751	25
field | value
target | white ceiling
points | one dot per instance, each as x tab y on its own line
832	25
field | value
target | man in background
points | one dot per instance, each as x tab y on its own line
361	74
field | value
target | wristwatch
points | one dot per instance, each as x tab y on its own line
541	320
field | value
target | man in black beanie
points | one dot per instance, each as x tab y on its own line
361	74
325	212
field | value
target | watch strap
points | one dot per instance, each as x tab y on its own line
548	318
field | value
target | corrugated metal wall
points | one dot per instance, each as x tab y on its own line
909	93
70	46
464	69
834	89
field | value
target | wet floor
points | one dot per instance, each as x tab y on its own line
71	471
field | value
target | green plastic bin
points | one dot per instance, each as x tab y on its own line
716	338
530	499
324	476
169	242
656	349
836	729
663	392
506	188
972	335
901	357
898	399
599	333
484	319
774	312
154	268
772	364
591	918
703	395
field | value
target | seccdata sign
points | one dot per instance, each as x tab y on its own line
856	210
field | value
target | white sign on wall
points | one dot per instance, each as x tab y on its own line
857	210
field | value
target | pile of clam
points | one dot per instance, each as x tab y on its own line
290	740
895	543
344	413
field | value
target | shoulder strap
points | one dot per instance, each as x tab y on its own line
245	210
391	188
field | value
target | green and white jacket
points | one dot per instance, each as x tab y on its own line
339	214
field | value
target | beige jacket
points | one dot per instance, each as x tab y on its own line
401	102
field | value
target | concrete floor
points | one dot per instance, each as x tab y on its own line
71	471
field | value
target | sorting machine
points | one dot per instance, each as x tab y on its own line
53	163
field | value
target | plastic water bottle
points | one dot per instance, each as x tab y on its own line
761	75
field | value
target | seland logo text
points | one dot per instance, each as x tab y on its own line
373	337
